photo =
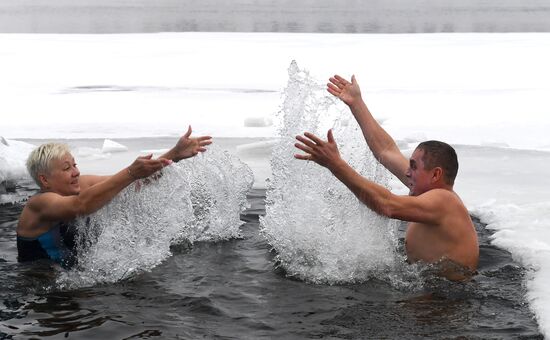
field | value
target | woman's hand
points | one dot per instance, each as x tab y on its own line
145	166
188	147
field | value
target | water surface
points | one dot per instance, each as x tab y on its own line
231	290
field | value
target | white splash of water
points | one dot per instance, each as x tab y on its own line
198	199
321	232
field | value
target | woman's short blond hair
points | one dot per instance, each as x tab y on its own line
40	159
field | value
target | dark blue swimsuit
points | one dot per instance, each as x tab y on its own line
57	244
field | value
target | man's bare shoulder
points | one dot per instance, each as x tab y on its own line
442	199
445	194
453	211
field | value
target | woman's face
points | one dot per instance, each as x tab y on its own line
63	177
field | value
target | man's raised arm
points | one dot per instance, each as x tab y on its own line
380	142
427	208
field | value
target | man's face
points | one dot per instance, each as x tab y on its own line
419	177
63	176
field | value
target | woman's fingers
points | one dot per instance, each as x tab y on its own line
188	133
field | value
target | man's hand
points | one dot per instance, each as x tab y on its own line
319	151
349	93
145	166
188	147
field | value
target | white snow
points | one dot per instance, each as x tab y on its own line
484	93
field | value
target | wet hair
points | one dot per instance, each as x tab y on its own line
40	159
439	154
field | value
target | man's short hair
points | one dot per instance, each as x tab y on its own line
39	160
439	154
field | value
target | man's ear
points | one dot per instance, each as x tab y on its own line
437	174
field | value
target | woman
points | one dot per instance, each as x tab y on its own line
64	195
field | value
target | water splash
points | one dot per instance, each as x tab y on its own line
321	232
198	199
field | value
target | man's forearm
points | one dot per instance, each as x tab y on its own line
371	194
377	138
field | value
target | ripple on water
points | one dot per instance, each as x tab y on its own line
202	293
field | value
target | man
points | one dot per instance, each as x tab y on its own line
42	231
440	230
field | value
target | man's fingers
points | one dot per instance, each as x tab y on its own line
333	92
205	142
303	148
342	81
306	141
204	138
333	86
353	80
336	83
330	136
314	138
303	157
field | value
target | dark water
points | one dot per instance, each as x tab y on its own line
327	16
231	290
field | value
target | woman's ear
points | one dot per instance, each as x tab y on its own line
43	181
